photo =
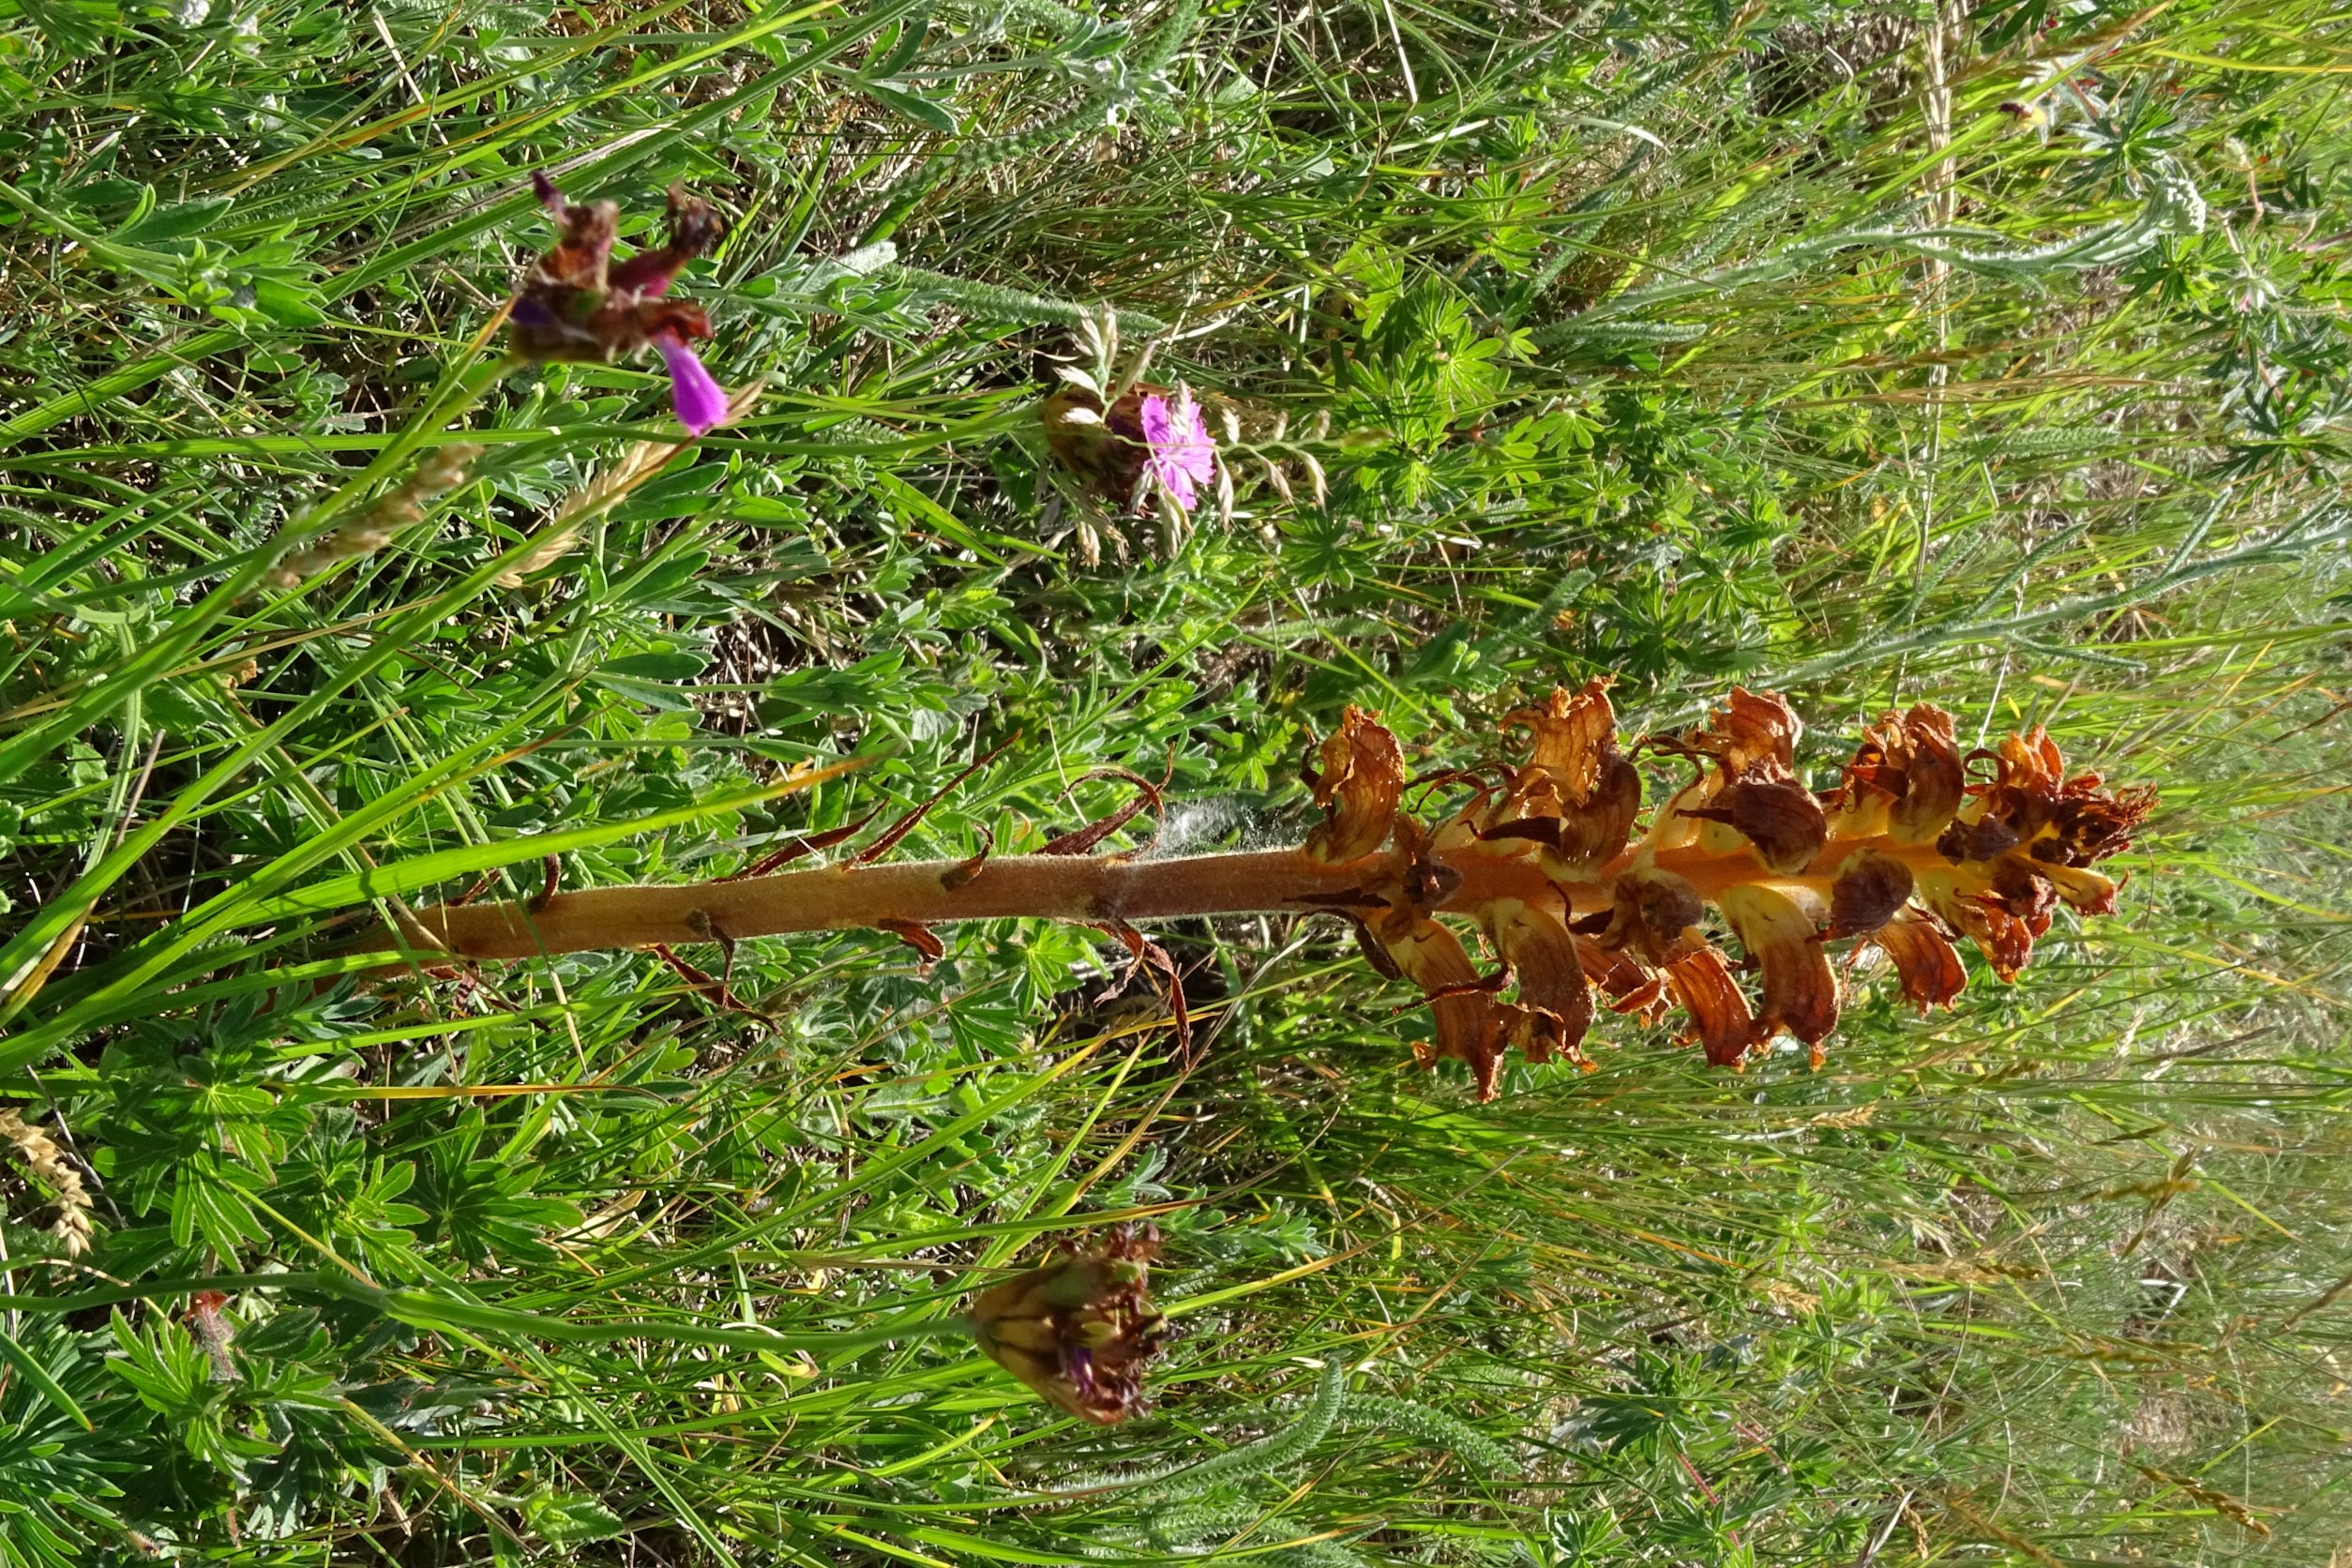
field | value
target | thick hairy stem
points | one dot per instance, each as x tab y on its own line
922	893
1097	889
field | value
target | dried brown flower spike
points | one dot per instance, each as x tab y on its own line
1783	869
1547	859
1081	1330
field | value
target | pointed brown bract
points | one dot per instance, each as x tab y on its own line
1543	864
1783	935
1576	800
1630	987
1361	780
1555	1007
1925	962
1702	986
1470	1024
920	937
692	230
1906	780
1081	1330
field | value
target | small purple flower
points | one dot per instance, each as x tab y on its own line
576	303
694	392
1182	456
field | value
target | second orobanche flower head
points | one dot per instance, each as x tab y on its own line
576	304
1081	1330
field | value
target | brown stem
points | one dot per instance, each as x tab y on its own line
920	893
1094	889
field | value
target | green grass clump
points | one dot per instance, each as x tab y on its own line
1869	354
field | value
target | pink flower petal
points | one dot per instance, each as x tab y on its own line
1158	429
1183	457
694	392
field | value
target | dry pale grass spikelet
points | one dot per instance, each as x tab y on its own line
442	469
645	460
46	1161
550	546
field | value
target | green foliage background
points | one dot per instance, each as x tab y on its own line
1873	354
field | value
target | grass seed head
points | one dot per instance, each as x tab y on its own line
46	1160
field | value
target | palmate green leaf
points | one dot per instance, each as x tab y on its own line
160	225
60	1476
657	666
653	694
208	1203
166	1370
565	1520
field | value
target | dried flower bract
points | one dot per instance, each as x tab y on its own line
1081	1330
576	304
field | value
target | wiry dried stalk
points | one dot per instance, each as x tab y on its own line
1905	852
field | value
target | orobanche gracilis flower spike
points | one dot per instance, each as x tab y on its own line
576	304
1907	848
1578	899
1081	1330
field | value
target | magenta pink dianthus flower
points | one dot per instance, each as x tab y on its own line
1182	456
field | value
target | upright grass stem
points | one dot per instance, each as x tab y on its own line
437	1312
